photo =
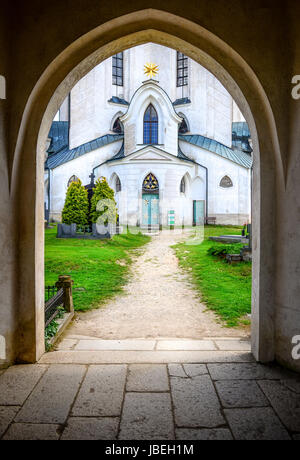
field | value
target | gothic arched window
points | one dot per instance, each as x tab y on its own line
226	182
183	127
150	183
150	126
73	179
118	185
182	185
117	127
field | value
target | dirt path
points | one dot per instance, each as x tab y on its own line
159	301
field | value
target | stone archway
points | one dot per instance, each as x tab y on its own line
49	92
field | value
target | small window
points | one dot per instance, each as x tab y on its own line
182	185
73	179
118	185
117	69
182	69
183	127
150	126
118	127
226	182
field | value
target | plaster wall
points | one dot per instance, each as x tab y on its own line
209	113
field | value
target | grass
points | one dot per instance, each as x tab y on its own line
224	288
99	268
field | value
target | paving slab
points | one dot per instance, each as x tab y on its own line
247	371
101	393
185	345
192	370
147	377
147	416
7	414
66	344
90	429
195	402
95	345
258	423
284	401
234	345
32	432
51	400
214	434
120	357
176	370
17	382
240	393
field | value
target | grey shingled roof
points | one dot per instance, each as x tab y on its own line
63	156
59	135
118	100
183	100
241	136
237	156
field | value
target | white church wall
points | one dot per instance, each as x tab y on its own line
231	206
209	113
132	175
80	167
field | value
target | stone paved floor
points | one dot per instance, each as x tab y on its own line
223	394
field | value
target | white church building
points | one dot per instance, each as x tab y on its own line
174	145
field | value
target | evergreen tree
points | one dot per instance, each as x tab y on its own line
76	205
103	193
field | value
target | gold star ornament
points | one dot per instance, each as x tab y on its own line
150	70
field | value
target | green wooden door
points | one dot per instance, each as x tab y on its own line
198	212
150	209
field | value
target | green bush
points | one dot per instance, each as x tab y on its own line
76	206
223	249
108	212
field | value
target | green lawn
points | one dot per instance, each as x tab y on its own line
99	268
224	288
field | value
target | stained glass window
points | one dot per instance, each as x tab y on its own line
117	69
150	126
226	182
150	183
182	69
72	179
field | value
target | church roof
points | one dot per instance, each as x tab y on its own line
240	136
237	156
59	135
59	152
118	100
64	155
181	101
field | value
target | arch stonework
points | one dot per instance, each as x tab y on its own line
47	94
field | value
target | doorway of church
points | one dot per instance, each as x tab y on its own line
198	212
150	209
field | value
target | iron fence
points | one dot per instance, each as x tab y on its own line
54	298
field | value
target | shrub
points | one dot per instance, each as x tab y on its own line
76	206
108	209
222	249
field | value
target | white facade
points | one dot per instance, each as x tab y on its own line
208	110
